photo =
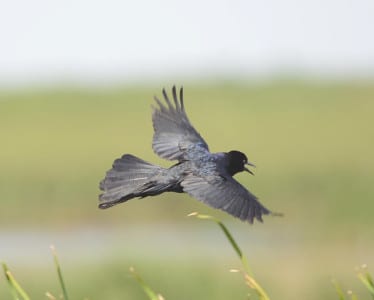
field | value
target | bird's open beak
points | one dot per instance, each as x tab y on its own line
248	170
250	164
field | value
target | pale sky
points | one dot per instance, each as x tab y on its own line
43	41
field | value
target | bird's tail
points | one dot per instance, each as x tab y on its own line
129	177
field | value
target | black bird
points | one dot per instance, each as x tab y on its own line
203	175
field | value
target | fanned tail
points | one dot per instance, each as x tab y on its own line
128	178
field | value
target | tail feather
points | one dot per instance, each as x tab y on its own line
125	179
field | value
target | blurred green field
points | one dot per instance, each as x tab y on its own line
312	144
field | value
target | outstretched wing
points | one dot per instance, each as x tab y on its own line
226	194
174	134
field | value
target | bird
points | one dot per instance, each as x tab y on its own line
206	176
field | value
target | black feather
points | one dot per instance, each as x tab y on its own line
206	176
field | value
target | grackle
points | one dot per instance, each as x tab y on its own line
205	176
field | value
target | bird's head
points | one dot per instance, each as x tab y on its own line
237	162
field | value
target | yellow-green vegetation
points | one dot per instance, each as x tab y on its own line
18	292
312	144
248	275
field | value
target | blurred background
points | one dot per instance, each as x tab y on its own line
294	82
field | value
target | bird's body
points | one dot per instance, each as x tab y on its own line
204	175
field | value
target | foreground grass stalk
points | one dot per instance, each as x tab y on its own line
14	286
58	268
248	276
338	290
366	279
150	293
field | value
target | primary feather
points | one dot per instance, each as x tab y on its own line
173	132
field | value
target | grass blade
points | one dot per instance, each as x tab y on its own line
248	277
15	288
149	292
338	290
58	268
11	286
367	280
229	237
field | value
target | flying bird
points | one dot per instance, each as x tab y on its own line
206	176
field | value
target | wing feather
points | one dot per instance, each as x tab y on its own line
226	194
173	132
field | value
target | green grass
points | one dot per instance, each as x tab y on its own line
312	144
18	292
247	273
15	289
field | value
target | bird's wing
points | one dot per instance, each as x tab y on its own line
226	194
173	132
